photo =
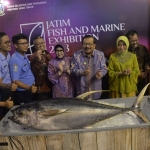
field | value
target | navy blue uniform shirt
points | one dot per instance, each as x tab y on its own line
4	68
20	70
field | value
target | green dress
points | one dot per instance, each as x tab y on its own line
123	85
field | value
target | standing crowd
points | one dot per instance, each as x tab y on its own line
39	77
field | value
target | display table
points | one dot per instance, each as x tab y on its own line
126	137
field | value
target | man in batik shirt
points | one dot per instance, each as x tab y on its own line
89	67
39	62
142	57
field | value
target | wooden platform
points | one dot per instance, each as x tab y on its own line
127	139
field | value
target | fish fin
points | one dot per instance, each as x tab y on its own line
53	112
141	115
82	96
138	100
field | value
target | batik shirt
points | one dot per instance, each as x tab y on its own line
142	56
95	63
62	85
39	69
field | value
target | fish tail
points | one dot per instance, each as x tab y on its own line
137	103
141	115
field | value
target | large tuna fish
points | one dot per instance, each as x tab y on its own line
65	114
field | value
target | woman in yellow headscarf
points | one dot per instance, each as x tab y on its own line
123	71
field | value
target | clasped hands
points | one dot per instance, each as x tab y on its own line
125	72
87	72
62	68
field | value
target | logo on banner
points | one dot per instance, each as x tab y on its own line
2	9
32	30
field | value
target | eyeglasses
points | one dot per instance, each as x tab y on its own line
38	44
89	44
59	51
7	42
23	44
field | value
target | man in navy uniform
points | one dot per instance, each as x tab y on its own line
6	86
21	72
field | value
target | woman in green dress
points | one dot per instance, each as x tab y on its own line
123	71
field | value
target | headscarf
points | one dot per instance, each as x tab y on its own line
62	45
124	39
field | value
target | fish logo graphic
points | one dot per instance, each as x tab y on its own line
32	30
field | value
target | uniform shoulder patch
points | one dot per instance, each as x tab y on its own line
15	67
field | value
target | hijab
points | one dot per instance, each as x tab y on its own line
125	40
63	46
